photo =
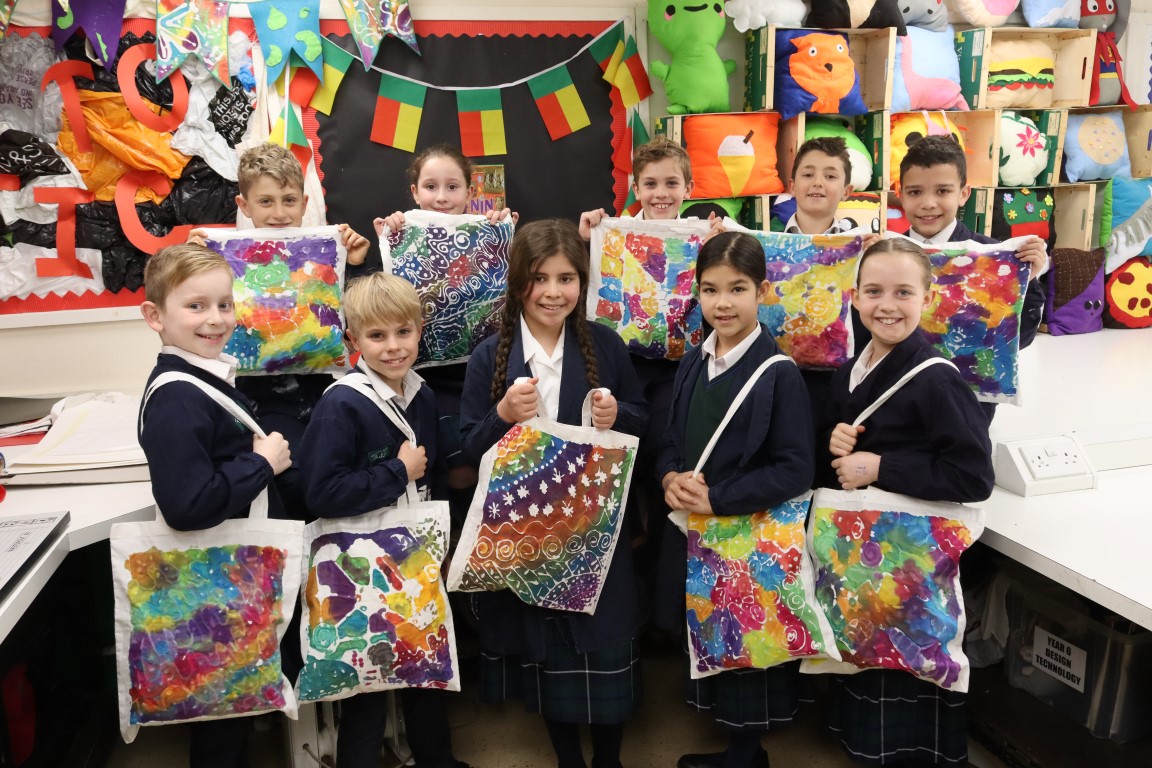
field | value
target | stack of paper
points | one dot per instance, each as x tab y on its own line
22	542
90	442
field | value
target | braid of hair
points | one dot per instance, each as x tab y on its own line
591	371
508	318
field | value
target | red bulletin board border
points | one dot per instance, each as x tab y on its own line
123	298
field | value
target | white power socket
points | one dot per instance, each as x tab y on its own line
1043	465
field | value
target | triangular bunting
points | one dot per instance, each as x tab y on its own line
635	134
6	9
336	63
192	27
100	20
370	20
293	135
287	27
558	102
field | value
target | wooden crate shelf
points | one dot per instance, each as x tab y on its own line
1073	50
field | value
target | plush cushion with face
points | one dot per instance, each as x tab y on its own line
856	14
986	13
1023	150
815	73
1052	13
1097	14
1095	147
1075	291
861	176
907	129
1021	73
732	155
926	14
926	74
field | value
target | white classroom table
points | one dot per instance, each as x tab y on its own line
1098	386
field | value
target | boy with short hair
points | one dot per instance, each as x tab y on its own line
819	183
661	180
355	459
933	187
205	469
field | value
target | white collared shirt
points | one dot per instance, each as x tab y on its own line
839	226
411	383
547	369
940	238
864	366
717	365
223	367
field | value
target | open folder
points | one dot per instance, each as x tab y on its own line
93	441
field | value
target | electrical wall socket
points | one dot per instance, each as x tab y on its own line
1043	465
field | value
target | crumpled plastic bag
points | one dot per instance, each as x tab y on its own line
201	196
98	227
105	80
197	134
119	143
28	156
21	203
23	62
18	273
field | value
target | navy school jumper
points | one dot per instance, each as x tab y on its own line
508	625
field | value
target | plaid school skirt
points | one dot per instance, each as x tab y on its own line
748	699
887	716
600	687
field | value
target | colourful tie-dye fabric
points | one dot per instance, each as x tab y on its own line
749	591
196	27
888	580
199	618
546	517
459	265
288	289
376	616
642	285
975	319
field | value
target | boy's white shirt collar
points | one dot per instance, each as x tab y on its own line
223	367
547	371
412	382
940	238
717	365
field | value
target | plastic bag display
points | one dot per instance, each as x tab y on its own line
23	62
28	156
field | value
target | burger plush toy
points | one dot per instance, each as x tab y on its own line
1022	73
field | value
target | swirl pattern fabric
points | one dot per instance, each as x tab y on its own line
288	290
749	592
546	516
376	615
459	265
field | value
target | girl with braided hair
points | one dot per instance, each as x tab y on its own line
570	667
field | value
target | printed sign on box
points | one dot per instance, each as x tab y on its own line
1059	658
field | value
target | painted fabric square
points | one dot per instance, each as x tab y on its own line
1075	291
640	283
888	580
199	619
975	318
459	265
749	593
546	515
288	288
376	615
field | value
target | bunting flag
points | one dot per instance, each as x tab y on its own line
336	63
481	122
631	79
635	134
558	102
100	20
285	28
6	9
608	50
302	86
370	20
399	106
192	27
288	130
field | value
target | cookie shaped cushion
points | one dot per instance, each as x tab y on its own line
1095	147
1021	73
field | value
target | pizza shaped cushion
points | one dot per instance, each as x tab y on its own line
1095	147
1128	295
1023	150
815	73
1021	73
733	155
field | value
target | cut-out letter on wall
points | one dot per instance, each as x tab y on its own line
126	76
130	221
62	73
65	264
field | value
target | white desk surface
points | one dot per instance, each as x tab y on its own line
1093	541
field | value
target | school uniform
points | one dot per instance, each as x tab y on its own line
764	458
932	446
203	472
570	667
349	466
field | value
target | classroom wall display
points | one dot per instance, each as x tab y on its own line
1021	74
926	73
1023	150
975	318
853	14
749	592
732	155
200	616
375	612
815	73
1075	291
288	289
1128	296
1126	220
1051	13
873	551
986	13
546	516
459	266
1095	147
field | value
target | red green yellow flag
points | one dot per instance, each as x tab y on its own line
558	102
632	206
635	134
336	63
399	107
631	77
608	50
288	132
481	122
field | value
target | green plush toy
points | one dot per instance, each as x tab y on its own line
697	79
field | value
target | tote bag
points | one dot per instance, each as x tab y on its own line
376	615
888	576
749	592
546	516
199	615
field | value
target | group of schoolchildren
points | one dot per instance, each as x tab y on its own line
333	452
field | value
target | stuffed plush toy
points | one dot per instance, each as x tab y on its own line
861	176
754	14
926	14
1051	13
927	73
986	13
1107	76
856	14
815	73
697	78
909	128
1023	150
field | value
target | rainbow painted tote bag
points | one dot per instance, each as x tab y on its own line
888	579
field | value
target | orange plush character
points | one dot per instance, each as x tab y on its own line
821	65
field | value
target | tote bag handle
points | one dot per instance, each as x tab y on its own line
259	507
736	403
871	409
359	382
585	407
